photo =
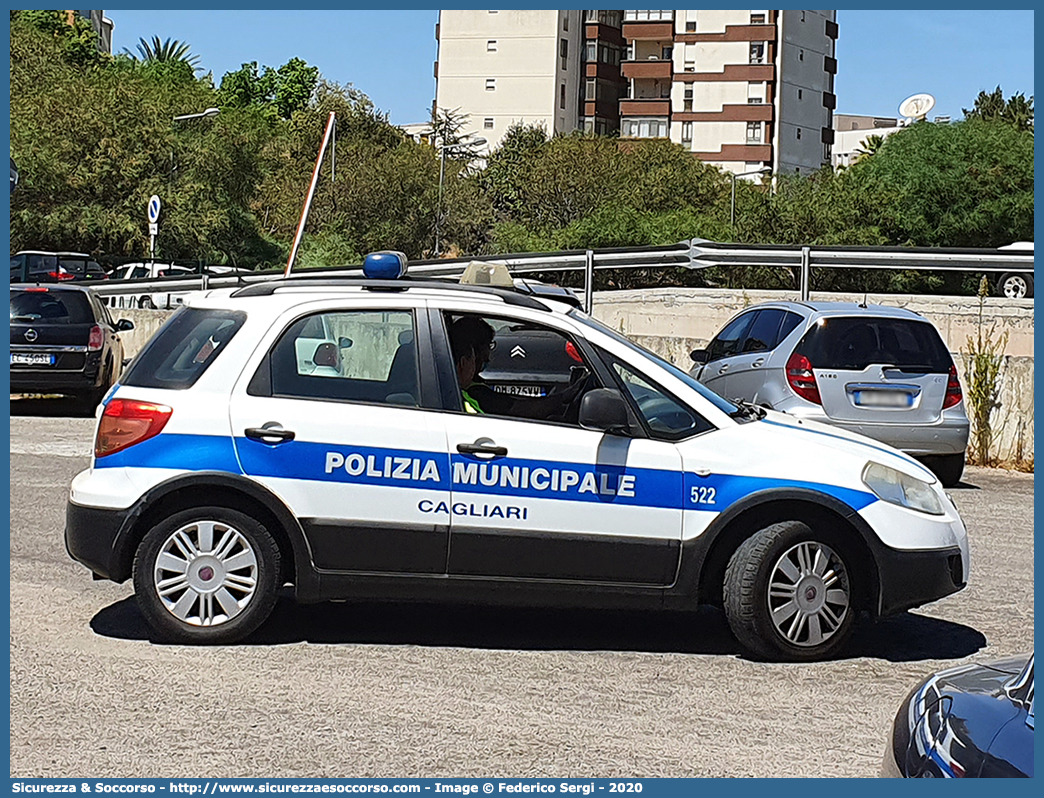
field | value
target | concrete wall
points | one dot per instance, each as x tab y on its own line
674	321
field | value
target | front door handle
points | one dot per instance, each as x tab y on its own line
482	446
723	368
271	433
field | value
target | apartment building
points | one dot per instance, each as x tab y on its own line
740	89
502	67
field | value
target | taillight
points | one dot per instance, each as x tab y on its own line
126	422
62	275
802	379
94	343
571	351
953	389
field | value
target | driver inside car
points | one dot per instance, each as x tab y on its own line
472	342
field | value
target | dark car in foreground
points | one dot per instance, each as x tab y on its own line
975	721
63	341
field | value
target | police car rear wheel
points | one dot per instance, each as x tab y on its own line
787	594
206	575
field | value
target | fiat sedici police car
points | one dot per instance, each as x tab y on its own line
335	435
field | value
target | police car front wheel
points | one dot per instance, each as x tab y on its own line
787	594
206	575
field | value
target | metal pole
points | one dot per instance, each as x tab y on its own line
438	210
308	199
805	273
732	213
589	281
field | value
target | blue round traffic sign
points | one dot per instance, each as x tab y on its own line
154	208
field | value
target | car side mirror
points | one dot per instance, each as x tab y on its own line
124	324
604	409
344	343
699	355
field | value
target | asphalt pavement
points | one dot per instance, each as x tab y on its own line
396	690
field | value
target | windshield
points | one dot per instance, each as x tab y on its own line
722	404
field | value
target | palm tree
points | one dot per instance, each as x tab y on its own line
868	147
167	51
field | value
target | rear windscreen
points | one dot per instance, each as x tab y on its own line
184	348
50	307
853	343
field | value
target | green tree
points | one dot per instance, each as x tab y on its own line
507	169
992	107
969	184
284	91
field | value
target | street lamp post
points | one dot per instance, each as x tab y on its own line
207	113
467	141
764	170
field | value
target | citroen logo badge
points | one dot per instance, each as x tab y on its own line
30	335
518	351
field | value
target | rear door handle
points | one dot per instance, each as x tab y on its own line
271	433
759	362
482	446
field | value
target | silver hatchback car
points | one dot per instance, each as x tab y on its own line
878	371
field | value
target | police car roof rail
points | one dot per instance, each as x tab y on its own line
509	295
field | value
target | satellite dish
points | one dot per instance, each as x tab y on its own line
916	107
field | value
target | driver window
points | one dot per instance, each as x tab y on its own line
667	418
511	367
727	342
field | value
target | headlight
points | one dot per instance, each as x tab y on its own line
898	488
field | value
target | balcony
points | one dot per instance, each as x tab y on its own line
756	112
753	73
644	30
645	107
649	68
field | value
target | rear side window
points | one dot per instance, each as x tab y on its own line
852	343
50	307
184	348
356	356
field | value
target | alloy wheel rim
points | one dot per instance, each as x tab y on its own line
1014	288
206	573
808	597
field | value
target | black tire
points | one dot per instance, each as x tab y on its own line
249	589
948	467
748	605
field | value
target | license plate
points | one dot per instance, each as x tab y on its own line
883	399
521	390
34	359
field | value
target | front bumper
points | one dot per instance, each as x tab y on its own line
910	579
91	535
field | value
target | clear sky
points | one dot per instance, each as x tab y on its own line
883	56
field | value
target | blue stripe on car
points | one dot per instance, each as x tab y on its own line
513	477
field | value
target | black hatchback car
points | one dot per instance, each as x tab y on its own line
63	341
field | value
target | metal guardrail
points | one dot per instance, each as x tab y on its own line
695	254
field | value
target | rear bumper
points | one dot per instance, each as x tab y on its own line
90	539
949	435
44	382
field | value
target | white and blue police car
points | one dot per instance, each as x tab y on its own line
313	432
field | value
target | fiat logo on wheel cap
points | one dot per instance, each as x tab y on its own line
810	593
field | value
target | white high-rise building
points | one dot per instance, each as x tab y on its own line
502	67
740	89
